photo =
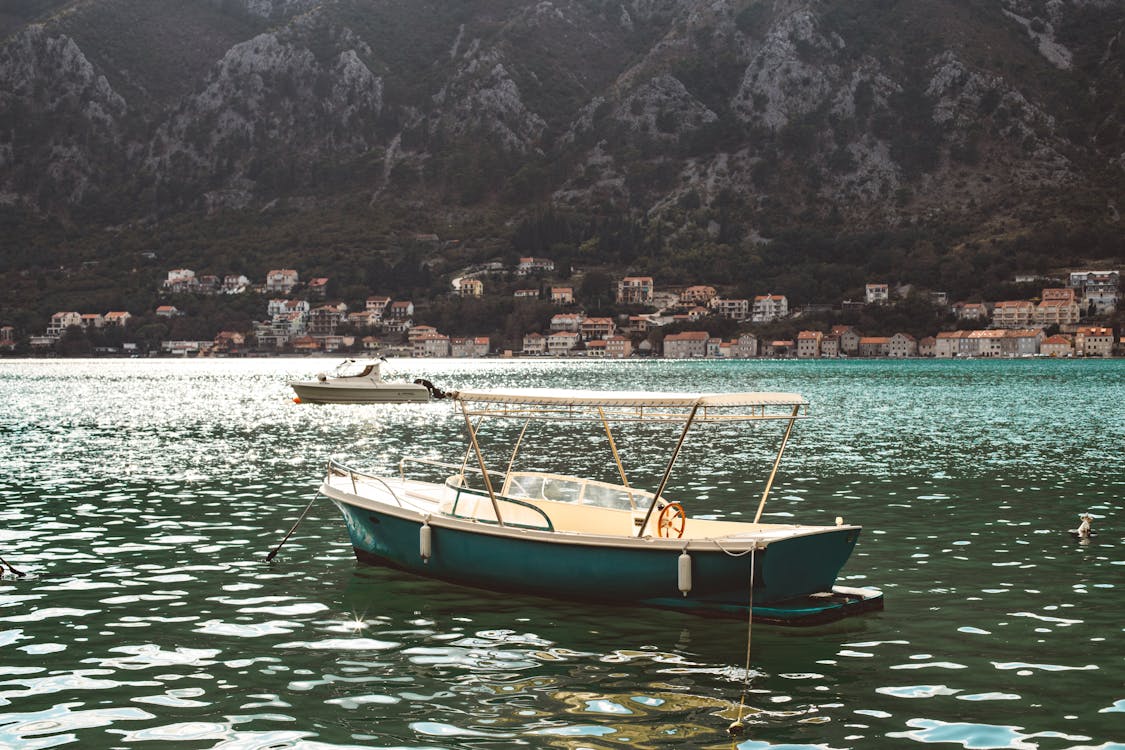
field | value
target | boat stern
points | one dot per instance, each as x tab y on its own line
801	564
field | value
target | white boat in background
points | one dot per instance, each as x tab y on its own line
357	382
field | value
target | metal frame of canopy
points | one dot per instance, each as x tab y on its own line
562	405
627	406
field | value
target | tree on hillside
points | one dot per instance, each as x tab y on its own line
596	289
73	343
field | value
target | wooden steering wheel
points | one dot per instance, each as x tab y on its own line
672	519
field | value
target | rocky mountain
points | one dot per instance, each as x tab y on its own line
717	123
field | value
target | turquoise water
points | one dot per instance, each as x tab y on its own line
140	497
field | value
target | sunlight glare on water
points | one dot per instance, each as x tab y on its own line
141	496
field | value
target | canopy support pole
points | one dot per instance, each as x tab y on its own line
616	457
512	460
668	471
776	463
480	462
468	451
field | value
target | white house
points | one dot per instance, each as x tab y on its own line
561	343
562	295
1018	342
686	345
60	321
432	345
1093	341
235	283
1013	313
736	309
377	306
469	346
745	347
902	345
947	344
849	339
635	290
697	295
808	344
1099	290
769	307
618	347
323	320
281	280
970	310
597	328
470	287
181	280
877	294
287	306
534	343
400	310
1057	346
988	343
534	265
567	322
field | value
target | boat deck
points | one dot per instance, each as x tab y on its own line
430	498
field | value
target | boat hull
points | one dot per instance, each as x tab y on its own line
622	571
384	393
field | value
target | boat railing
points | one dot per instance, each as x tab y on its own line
339	470
516	513
532	517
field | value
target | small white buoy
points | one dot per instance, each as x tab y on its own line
683	579
425	542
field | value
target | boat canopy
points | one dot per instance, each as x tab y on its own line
357	368
532	403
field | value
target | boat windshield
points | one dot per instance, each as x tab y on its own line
351	368
563	489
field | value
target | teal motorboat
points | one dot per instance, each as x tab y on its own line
572	537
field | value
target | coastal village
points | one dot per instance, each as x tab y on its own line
299	318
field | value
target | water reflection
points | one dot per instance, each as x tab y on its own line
141	498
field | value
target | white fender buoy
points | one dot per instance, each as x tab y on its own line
425	542
683	578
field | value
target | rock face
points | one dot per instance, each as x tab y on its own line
483	97
48	74
269	98
781	84
783	111
275	8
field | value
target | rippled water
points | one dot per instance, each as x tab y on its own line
140	497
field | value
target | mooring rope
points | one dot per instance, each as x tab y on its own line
726	551
737	727
17	573
273	553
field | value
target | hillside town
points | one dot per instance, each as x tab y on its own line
298	317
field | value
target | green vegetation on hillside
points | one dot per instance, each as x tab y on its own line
508	129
